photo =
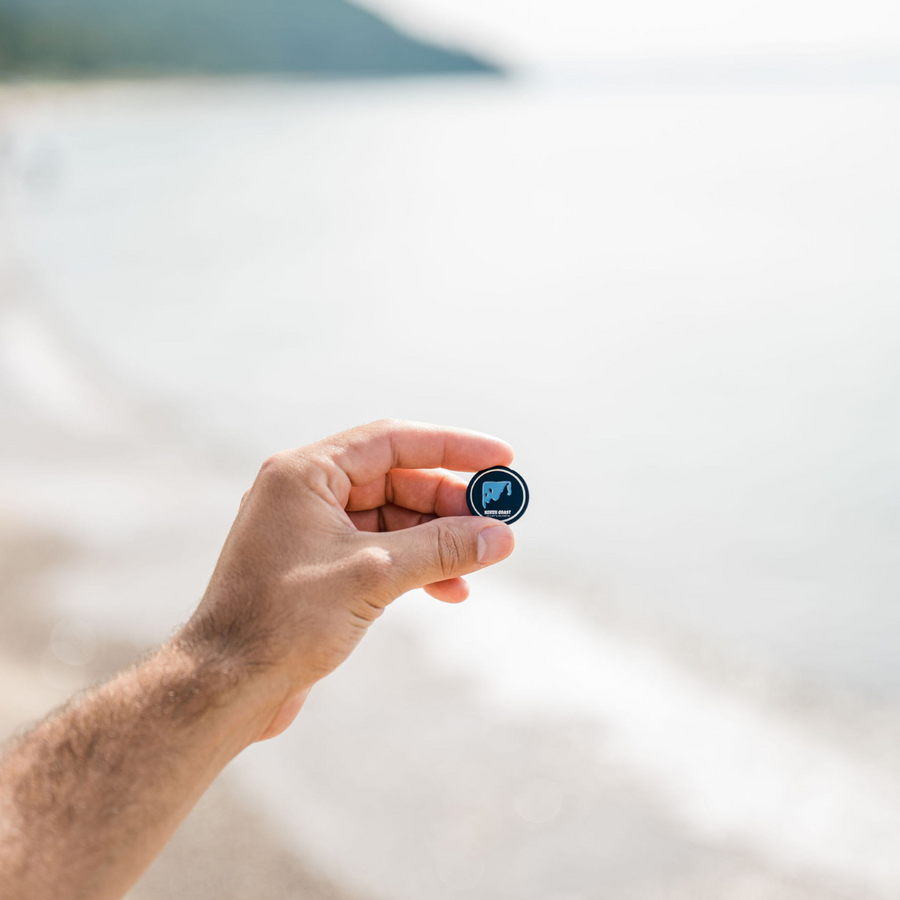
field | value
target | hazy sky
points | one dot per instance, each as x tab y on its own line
559	32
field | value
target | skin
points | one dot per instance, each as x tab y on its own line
325	539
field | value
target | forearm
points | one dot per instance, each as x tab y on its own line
93	793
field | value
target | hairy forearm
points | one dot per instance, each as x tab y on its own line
91	794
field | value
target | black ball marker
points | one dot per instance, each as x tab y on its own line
498	493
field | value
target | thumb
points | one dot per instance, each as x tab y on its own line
445	548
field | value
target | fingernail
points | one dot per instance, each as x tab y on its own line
495	543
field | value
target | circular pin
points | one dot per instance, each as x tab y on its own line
498	493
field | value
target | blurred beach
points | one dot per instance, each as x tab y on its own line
678	303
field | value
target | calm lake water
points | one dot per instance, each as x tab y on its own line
680	307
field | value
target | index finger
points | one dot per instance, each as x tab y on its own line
370	451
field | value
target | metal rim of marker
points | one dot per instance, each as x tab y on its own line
498	493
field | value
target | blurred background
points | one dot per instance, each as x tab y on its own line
654	246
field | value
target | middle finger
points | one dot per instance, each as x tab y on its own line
434	491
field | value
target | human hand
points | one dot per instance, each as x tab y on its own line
328	536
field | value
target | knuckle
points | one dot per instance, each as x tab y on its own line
372	565
451	551
385	426
281	469
378	427
275	466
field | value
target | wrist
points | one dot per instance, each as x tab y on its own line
211	689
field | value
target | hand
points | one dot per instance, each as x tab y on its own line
328	536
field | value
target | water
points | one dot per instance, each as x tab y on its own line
680	308
686	303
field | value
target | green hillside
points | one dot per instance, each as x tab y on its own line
94	37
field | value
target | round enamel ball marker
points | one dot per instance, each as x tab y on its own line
498	493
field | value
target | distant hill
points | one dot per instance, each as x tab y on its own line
95	37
